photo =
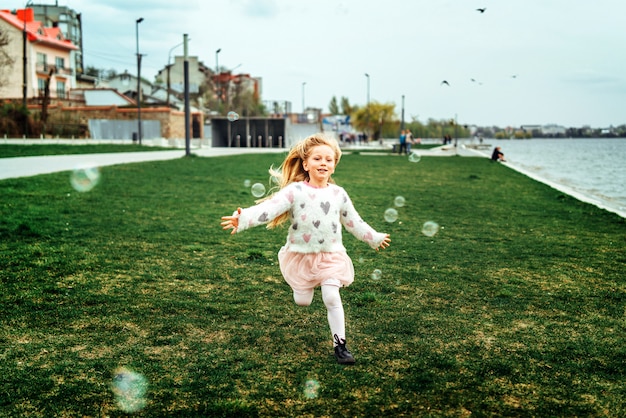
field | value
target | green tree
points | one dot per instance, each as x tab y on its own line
100	72
346	108
333	107
417	128
375	119
238	97
245	103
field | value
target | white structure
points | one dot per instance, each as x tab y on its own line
126	84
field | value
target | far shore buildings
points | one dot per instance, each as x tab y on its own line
538	131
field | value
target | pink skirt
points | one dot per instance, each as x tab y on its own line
304	271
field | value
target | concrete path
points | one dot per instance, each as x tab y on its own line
31	166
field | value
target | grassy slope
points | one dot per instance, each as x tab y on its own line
11	150
516	308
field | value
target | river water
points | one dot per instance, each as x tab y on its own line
593	169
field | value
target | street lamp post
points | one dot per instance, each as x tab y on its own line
25	65
169	69
137	22
303	108
217	69
187	107
402	121
367	119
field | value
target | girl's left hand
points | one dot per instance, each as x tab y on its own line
385	243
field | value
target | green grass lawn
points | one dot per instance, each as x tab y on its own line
12	150
517	307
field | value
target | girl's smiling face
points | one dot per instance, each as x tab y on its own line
320	164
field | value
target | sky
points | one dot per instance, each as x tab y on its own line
520	62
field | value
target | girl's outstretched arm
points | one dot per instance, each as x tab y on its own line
385	243
231	222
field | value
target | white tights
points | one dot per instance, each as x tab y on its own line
332	300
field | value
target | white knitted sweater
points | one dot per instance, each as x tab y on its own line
316	216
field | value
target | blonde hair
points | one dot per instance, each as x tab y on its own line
292	170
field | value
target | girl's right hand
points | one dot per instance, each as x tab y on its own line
231	222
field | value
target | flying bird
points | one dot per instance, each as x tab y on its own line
482	10
445	82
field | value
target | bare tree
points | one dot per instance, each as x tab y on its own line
6	62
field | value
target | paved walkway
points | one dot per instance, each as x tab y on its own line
30	166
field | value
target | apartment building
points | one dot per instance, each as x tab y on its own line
36	57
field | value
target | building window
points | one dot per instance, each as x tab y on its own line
59	62
61	89
42	61
41	85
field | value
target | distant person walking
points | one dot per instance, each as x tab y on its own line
402	147
409	141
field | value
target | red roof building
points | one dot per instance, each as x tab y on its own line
45	51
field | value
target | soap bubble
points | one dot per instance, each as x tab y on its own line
232	116
377	274
129	389
430	228
414	157
85	177
311	388
247	183
391	215
399	201
257	190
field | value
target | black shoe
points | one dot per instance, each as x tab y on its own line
342	354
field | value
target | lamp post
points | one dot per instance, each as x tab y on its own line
137	22
217	69
367	119
187	107
402	121
25	65
169	68
303	84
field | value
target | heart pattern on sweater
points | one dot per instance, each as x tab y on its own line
325	207
316	224
263	217
306	237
